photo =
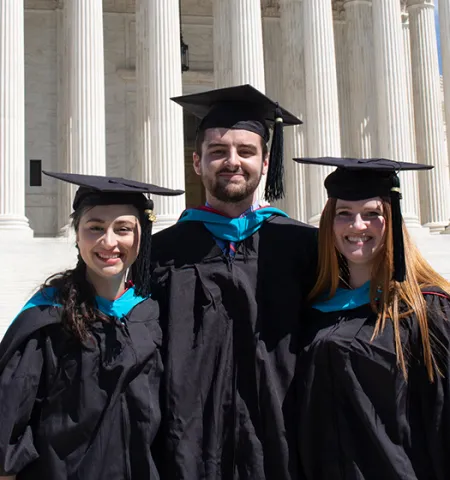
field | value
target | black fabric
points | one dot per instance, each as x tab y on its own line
224	107
73	412
122	189
358	418
230	330
361	178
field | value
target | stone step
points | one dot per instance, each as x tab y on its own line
26	264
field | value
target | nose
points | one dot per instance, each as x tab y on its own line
109	239
358	222
233	158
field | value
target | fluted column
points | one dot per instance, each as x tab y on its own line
411	199
444	19
428	114
247	49
143	105
64	148
223	63
322	109
87	77
247	43
12	119
292	94
363	122
343	80
393	121
161	74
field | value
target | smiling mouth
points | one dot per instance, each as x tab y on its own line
110	256
358	239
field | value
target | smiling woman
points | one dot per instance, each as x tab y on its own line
374	372
82	358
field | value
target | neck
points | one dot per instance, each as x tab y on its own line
231	209
109	288
359	274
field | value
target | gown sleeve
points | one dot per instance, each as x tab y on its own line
435	397
20	376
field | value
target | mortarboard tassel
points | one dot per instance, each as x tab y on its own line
275	176
397	231
141	269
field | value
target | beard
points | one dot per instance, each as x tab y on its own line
230	192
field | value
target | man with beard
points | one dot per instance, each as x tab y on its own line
231	277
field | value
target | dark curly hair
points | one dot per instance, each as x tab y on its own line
73	291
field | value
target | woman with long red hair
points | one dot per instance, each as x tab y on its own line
374	379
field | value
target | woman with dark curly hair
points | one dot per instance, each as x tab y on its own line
374	373
80	365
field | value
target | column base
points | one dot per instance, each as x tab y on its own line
437	227
66	231
164	221
314	220
12	225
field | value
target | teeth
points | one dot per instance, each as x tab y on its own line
358	239
106	257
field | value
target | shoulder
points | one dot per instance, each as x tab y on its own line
176	242
29	322
289	227
289	237
146	310
169	237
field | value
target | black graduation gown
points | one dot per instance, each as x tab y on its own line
80	413
230	331
358	417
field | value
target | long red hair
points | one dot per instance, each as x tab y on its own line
388	298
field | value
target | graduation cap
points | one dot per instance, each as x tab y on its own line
103	190
360	179
245	108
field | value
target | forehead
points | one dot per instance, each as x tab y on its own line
231	136
369	203
111	212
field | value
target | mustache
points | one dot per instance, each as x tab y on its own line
231	170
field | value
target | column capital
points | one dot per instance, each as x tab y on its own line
420	4
348	3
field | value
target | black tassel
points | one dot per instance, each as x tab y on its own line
141	269
275	176
397	232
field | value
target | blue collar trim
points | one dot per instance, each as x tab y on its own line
231	229
117	308
345	299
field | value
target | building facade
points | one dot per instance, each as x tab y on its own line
85	86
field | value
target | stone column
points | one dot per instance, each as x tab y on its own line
247	49
87	86
343	81
12	120
322	109
411	199
428	114
64	147
223	63
393	121
160	76
444	19
363	119
292	83
247	43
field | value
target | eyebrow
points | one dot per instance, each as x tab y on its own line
120	222
348	207
217	144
